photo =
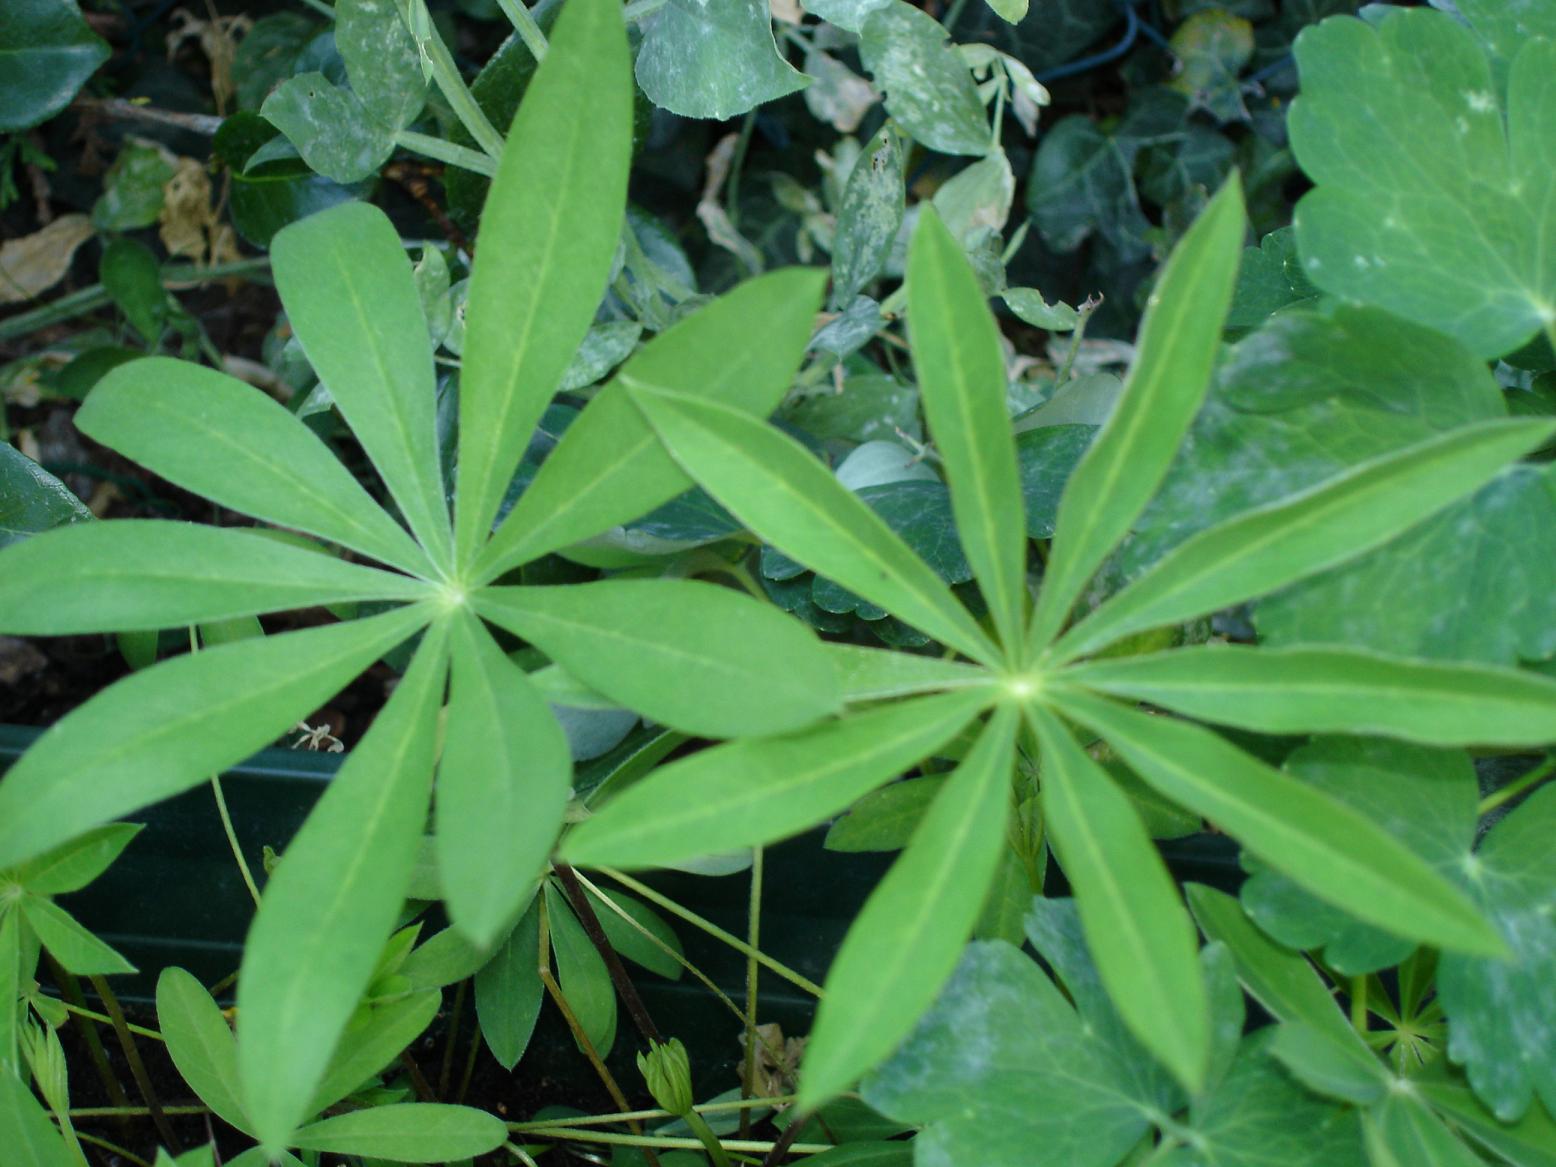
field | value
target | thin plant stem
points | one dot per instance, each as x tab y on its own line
529	32
706	981
470	1058
736	165
460	99
786	1144
753	973
628	992
455	1015
139	1030
137	1067
446	152
221	807
113	1148
519	1153
1520	785
715	931
710	1141
1359	1004
70	988
419	1081
133	1111
647	1115
670	1143
85	300
1082	315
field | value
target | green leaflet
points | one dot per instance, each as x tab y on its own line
961	376
71	944
1281	980
693	656
1426	202
870	674
352	301
755	791
32	499
773	485
143	574
1274	545
502	786
869	219
1136	926
928	88
905	942
1336	690
1320	843
11	929
581	973
1403	1132
214	435
548	233
331	903
165	729
577	493
1130	456
73	865
508	991
372	1043
406	1132
29	1138
621	917
201	1045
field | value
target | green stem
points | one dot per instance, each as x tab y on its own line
563	1134
710	1141
736	165
1517	786
98	1141
460	99
103	1018
1359	1004
753	972
86	300
446	152
645	1115
132	1111
715	931
232	839
529	32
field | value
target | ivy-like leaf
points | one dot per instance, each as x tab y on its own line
715	61
929	89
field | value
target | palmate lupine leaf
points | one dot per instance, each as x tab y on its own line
1130	456
548	233
328	905
758	790
502	786
351	299
1136	925
212	434
961	376
1265	549
776	488
577	493
907	939
1336	690
626	638
163	730
134	574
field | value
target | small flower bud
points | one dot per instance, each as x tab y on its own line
668	1073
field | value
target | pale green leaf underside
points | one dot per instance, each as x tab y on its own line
1265	549
1336	690
212	434
165	729
329	906
351	299
905	943
961	376
1136	926
127	575
548	234
751	792
1329	848
740	350
1130	456
773	485
694	656
502	786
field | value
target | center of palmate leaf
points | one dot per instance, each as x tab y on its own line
453	594
1023	686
